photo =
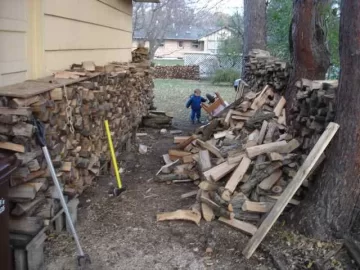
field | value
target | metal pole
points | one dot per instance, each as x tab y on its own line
62	199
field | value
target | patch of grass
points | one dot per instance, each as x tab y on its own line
172	94
168	62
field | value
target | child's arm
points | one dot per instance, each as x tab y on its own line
203	99
188	103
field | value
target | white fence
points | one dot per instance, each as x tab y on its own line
209	63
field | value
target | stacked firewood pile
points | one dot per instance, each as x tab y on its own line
241	163
312	111
73	116
140	55
177	72
262	69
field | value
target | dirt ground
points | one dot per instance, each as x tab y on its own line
122	232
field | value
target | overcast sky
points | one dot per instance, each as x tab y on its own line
227	6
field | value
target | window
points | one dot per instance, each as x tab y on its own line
195	44
181	44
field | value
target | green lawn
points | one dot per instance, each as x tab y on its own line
172	94
168	62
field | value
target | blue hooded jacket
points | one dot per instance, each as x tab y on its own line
195	102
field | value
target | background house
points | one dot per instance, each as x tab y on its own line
178	42
38	37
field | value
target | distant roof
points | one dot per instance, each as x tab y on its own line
184	33
216	30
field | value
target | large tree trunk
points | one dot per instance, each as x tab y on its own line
254	25
333	205
309	53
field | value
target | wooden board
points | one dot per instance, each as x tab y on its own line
291	189
189	215
240	225
12	147
34	87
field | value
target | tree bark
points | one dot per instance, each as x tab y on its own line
254	25
332	207
309	54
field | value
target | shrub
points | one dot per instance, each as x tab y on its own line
225	76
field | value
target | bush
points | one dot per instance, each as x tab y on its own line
225	76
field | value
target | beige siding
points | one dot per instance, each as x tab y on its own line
213	41
13	27
90	30
171	48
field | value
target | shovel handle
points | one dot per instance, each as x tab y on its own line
112	153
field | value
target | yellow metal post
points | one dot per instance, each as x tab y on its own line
113	157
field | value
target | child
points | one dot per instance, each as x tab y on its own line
195	102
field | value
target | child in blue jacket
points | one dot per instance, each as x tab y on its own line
195	101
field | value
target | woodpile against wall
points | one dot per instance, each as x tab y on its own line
177	72
262	69
312	111
74	121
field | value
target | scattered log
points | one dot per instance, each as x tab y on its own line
188	215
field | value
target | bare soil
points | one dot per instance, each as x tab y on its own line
122	232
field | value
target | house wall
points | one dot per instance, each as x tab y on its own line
172	49
38	37
13	30
212	42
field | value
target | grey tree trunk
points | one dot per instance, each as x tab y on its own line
333	206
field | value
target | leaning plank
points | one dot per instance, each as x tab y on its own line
212	149
189	215
236	177
291	189
240	225
12	147
257	150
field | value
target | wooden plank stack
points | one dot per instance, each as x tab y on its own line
74	127
262	69
241	162
312	111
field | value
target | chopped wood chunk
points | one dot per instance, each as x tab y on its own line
258	207
180	215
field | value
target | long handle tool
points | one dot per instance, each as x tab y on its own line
83	259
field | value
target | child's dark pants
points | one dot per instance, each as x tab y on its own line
195	113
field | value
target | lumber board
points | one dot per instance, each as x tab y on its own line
240	225
262	132
188	215
34	87
291	189
12	147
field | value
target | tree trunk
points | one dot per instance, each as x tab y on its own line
254	25
309	53
332	207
